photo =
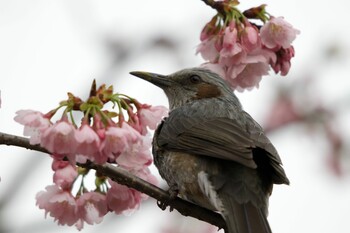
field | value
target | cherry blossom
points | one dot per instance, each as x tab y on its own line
278	33
241	59
88	142
250	38
232	51
208	50
283	63
34	124
59	204
115	142
65	174
137	155
150	115
59	138
121	199
92	207
241	53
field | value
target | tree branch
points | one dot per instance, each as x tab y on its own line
125	178
215	5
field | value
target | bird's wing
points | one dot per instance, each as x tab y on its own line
265	151
219	137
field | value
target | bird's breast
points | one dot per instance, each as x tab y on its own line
183	170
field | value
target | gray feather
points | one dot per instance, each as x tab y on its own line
200	129
245	218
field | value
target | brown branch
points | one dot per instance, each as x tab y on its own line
219	6
125	178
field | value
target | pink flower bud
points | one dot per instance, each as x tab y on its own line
283	63
250	38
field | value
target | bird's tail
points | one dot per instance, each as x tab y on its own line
245	218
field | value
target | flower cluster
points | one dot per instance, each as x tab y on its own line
241	51
118	137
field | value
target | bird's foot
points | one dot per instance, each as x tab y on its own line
173	192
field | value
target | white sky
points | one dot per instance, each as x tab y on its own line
50	47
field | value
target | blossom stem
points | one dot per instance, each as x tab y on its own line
126	96
105	118
120	114
72	118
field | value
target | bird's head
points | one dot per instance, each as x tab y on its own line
188	85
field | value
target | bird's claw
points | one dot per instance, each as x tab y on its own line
162	204
173	192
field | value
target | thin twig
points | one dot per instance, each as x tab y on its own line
215	5
125	178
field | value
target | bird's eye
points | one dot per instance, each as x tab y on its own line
195	79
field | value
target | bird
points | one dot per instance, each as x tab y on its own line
213	153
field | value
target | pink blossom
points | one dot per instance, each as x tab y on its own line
60	204
241	54
282	63
209	29
34	124
65	174
133	135
151	115
59	138
250	38
92	206
117	140
99	126
88	142
229	42
216	68
242	60
145	174
136	155
248	72
277	32
135	123
208	50
232	51
114	143
121	199
79	158
250	76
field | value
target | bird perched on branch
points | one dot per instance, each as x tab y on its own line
212	153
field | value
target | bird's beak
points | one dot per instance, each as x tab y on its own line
156	79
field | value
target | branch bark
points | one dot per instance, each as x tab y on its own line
125	178
215	5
